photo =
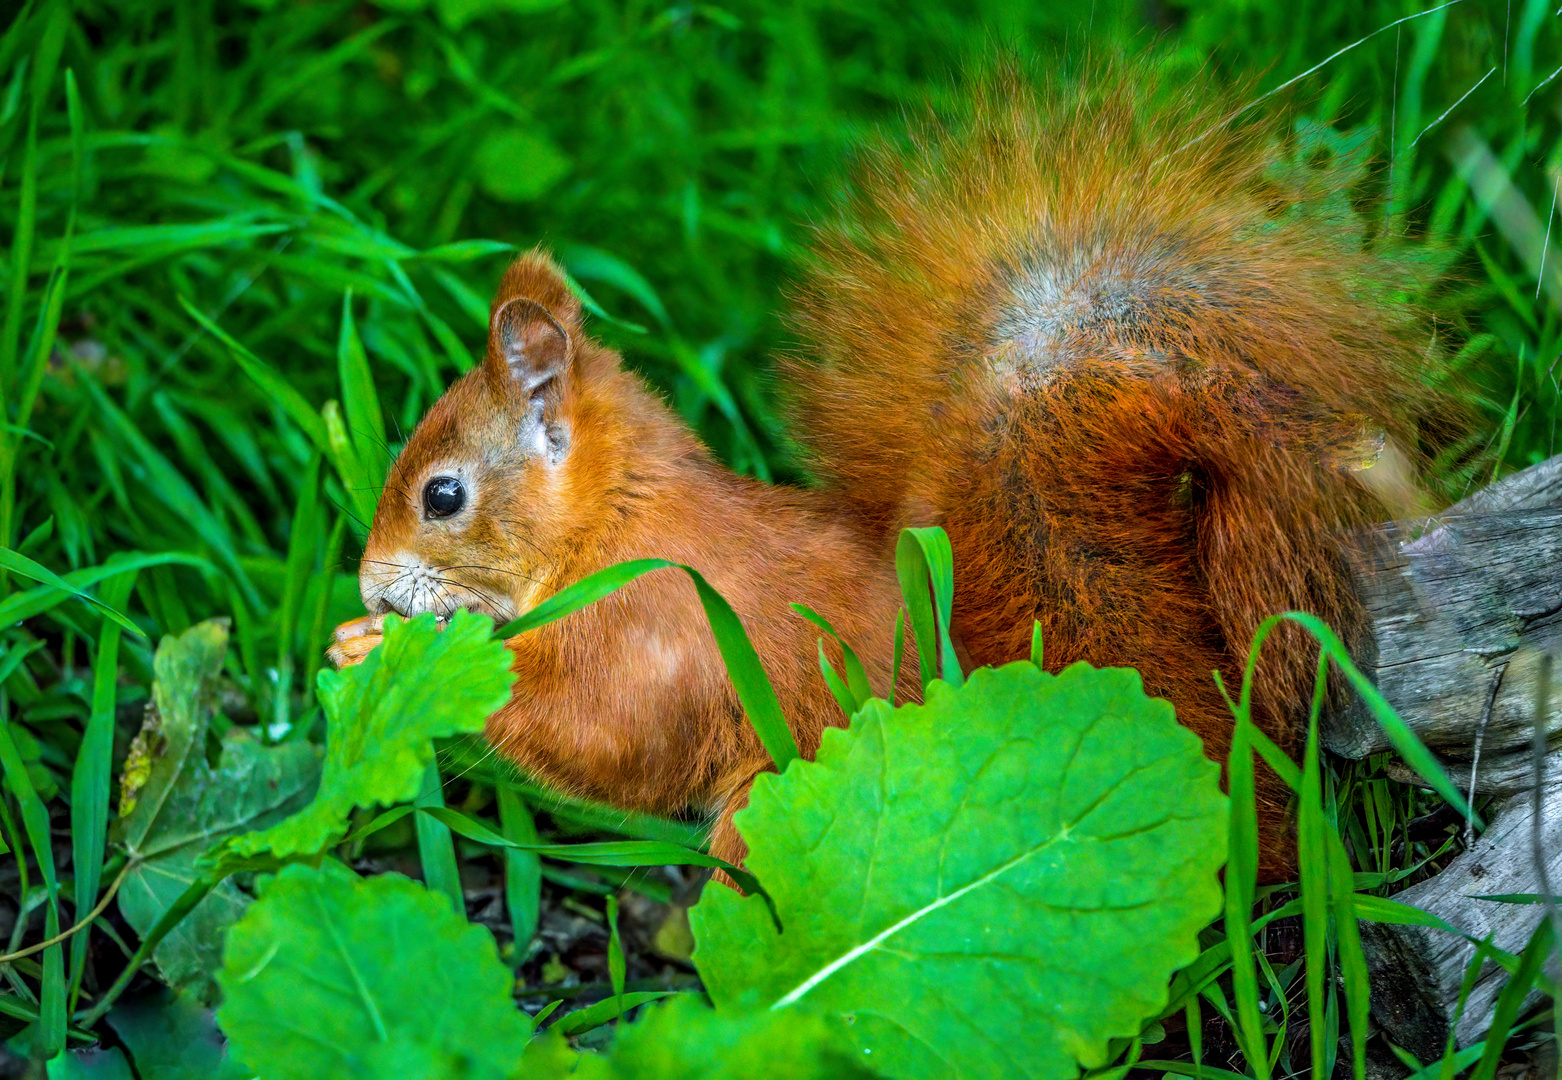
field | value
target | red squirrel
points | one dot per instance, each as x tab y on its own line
1133	362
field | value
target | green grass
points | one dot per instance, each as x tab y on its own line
217	220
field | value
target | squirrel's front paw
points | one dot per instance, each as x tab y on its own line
354	639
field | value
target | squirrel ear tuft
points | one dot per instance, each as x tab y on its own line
529	361
534	276
534	322
527	343
533	341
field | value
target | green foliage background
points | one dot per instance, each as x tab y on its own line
218	218
260	160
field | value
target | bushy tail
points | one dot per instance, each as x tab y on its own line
1132	357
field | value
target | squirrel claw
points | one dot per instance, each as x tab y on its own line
347	653
366	626
353	640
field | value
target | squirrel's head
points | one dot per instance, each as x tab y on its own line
484	489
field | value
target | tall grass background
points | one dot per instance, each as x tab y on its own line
220	218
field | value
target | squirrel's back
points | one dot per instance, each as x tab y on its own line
1133	356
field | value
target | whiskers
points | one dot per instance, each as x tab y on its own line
415	588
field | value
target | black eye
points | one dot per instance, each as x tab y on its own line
443	496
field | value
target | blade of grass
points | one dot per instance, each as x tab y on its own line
1352	959
21	255
1312	858
436	847
462	251
610	853
166	484
900	654
1445	1068
181	907
475	760
25	605
1512	998
271	384
856	687
1183	1068
360	396
1404	740
360	482
50	1038
924	563
1383	909
838	689
11	1005
605	1011
615	950
321	66
522	869
302	541
315	645
22	565
1241	883
749	680
41	347
1194	1019
91	779
1539	748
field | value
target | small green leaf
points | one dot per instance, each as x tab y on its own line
516	164
98	1064
171	1037
178	805
380	717
330	974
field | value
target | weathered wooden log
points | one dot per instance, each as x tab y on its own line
1416	971
1501	775
1461	608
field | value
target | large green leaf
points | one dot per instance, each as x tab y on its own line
330	974
175	804
685	1038
991	884
381	715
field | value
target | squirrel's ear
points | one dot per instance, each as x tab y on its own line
529	355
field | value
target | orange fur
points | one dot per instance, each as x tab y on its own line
1125	358
626	701
1105	341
